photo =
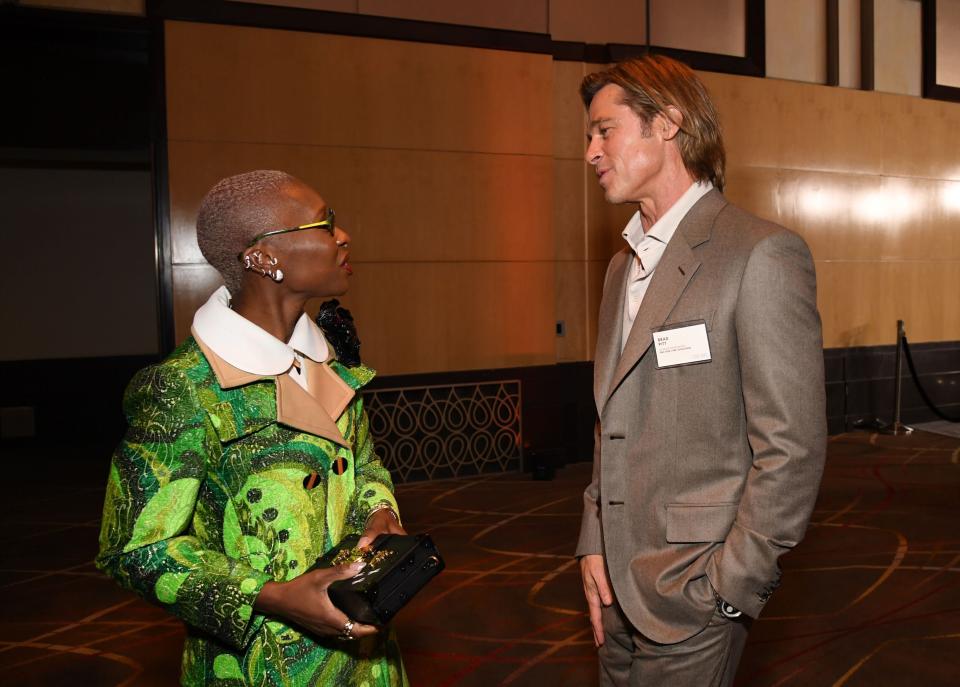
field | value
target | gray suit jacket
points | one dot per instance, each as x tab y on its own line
704	475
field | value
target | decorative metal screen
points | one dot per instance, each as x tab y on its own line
432	432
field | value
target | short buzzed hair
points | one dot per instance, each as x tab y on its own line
234	211
653	83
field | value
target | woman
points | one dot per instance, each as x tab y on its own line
248	456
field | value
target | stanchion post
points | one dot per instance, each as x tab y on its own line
898	427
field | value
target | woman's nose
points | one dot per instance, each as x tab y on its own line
342	237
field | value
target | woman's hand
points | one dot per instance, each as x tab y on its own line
304	602
381	522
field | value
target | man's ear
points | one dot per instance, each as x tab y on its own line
671	119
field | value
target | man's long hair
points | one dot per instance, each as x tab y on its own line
653	83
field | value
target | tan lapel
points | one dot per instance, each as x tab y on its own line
328	388
676	269
298	409
313	412
610	326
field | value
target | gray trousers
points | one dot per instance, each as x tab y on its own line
708	659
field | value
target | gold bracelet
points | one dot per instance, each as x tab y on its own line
383	505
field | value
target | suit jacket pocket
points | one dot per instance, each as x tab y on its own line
676	320
699	522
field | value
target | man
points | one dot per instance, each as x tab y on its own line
709	388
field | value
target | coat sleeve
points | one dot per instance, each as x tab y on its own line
780	353
148	541
373	484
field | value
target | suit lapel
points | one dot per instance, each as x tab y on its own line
674	272
676	269
610	326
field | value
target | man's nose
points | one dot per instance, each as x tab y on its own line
593	153
341	236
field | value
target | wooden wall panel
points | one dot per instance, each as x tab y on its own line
777	123
948	48
703	25
849	39
856	217
898	52
439	161
605	222
596	271
528	15
429	316
571	307
796	40
573	285
569	117
396	204
803	126
864	230
416	317
236	84
569	209
477	223
599	21
922	293
871	180
920	137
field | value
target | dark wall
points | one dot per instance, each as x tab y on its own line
78	401
73	81
76	186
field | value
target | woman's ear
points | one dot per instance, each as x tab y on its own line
262	262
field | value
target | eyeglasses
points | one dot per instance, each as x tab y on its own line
328	225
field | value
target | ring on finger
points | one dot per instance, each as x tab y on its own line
347	632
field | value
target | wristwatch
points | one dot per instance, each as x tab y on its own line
726	609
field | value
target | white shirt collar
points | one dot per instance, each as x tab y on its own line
248	347
664	228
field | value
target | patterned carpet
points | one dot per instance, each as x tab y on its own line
871	597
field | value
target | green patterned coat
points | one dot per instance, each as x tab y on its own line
206	503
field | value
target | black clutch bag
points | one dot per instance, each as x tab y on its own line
397	567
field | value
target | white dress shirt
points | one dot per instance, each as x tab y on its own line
648	249
248	347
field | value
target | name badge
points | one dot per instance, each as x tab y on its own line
682	344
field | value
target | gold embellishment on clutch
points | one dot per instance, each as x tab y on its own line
362	553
